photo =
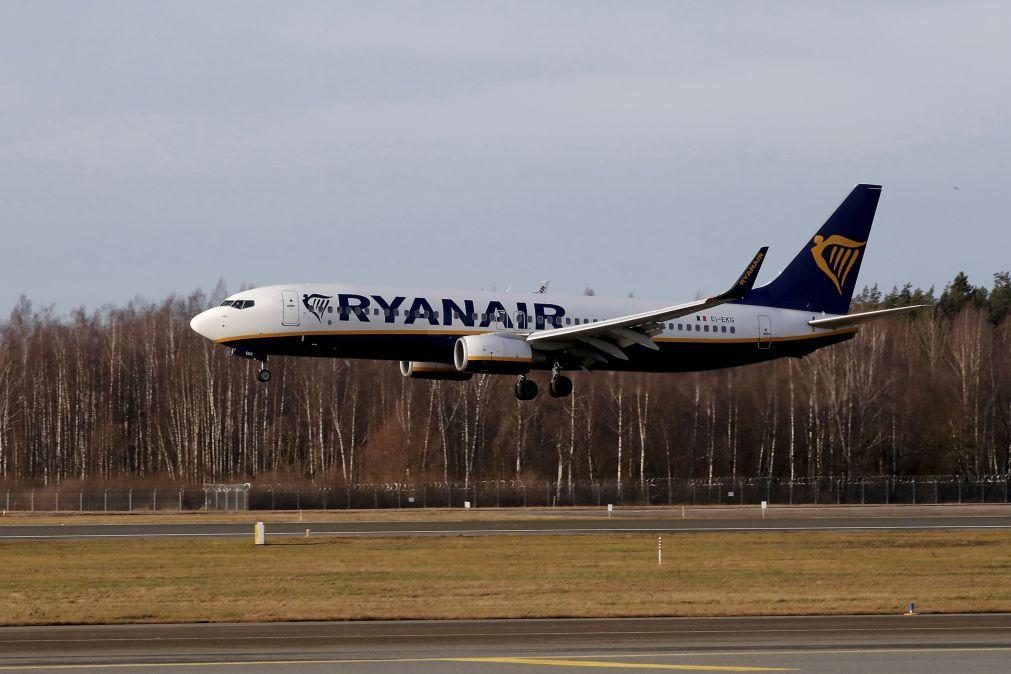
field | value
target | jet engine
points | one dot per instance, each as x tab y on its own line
493	354
415	369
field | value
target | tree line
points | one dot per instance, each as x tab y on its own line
132	392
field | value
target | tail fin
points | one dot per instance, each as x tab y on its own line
822	276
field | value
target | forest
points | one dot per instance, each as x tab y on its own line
132	392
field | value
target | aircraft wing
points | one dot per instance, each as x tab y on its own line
834	322
596	341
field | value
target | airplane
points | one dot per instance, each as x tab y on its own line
452	335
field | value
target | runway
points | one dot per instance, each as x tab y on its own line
576	522
964	643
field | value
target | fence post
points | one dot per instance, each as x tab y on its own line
80	495
33	500
958	479
914	491
57	508
105	500
7	503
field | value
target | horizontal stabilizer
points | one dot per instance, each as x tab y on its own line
856	319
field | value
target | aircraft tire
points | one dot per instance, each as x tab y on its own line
526	389
560	387
263	376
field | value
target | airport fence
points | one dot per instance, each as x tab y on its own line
515	493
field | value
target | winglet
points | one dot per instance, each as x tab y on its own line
746	281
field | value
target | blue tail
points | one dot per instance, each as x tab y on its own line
822	276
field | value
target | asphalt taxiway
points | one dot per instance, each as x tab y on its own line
573	522
901	644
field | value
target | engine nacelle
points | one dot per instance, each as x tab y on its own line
415	369
493	354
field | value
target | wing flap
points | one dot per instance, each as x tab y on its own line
740	288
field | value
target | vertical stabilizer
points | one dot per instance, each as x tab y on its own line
822	276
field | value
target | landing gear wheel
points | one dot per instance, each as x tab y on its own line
525	389
560	386
263	376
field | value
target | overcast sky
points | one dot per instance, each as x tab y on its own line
150	148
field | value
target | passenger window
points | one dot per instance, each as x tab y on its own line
698	328
723	328
732	329
680	326
568	321
706	328
329	310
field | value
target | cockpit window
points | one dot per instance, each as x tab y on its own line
238	304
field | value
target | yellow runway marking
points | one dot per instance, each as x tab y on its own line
547	662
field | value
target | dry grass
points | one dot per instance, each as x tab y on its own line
509	576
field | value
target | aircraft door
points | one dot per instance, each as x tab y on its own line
289	307
521	320
764	332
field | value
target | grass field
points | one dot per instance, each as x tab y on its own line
507	576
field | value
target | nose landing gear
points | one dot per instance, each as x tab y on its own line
263	376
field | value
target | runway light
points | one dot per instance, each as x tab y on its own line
259	534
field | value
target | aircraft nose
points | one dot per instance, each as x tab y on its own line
203	324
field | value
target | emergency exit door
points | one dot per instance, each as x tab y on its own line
764	332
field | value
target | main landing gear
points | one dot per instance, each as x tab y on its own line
559	387
525	389
263	376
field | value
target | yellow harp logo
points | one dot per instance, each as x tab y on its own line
835	256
